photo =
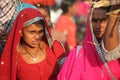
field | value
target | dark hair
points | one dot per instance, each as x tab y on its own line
66	4
37	23
40	22
46	8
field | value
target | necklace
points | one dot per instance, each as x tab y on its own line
34	57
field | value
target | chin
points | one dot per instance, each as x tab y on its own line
98	37
33	45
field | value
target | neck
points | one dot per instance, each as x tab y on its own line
31	50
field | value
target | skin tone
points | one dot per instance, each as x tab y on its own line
72	9
99	22
54	33
32	44
111	39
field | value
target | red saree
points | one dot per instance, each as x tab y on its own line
10	60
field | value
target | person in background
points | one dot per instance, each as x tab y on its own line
55	12
88	62
65	23
83	8
29	53
9	10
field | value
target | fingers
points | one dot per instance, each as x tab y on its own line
56	35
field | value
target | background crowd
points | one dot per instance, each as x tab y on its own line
59	40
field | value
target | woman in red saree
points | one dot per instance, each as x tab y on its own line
88	62
29	53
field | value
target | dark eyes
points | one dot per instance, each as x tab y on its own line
101	20
35	32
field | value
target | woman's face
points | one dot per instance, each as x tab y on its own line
32	34
99	21
73	9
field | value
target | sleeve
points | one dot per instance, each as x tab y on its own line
58	49
113	54
71	36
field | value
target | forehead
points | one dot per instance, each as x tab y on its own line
99	14
34	26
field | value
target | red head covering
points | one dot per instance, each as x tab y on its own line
9	60
43	2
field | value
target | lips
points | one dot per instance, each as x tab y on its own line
97	32
35	42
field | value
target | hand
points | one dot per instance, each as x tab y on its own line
56	35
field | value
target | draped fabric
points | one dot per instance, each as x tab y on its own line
9	59
44	70
87	65
43	2
9	10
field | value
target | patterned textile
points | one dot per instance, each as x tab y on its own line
7	10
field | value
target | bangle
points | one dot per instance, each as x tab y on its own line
61	61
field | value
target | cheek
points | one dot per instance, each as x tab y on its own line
41	35
103	26
27	38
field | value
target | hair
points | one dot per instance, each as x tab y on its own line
46	8
66	4
40	22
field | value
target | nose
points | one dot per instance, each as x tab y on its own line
37	36
98	24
